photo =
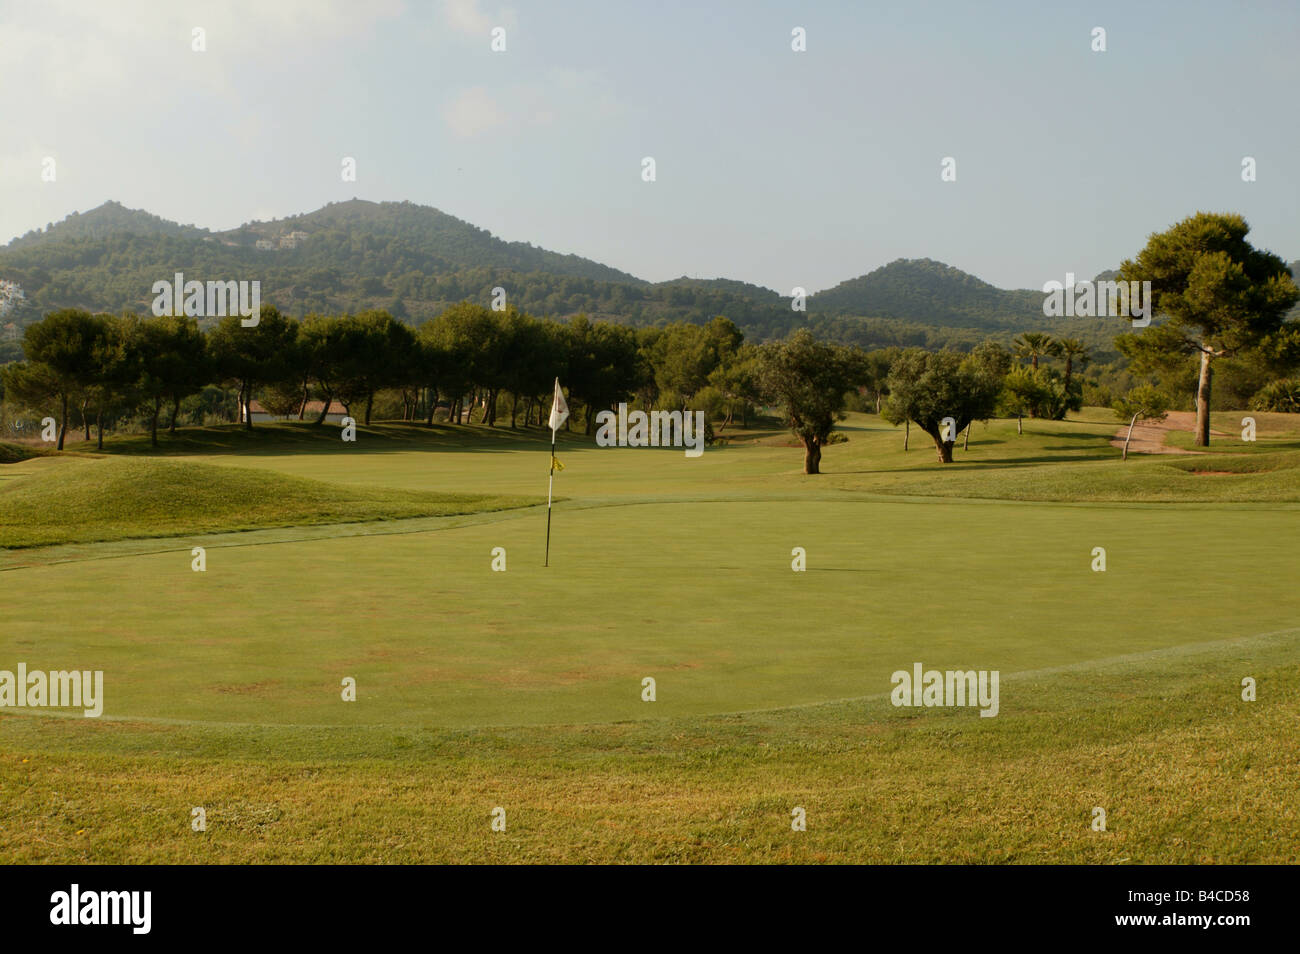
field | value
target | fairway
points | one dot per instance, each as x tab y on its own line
669	568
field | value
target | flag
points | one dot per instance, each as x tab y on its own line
559	410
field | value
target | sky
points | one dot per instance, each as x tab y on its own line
773	166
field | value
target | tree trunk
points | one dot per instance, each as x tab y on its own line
812	456
153	425
1203	401
99	430
176	410
370	402
1020	423
907	431
1129	437
965	445
63	425
85	419
433	406
246	399
945	449
325	408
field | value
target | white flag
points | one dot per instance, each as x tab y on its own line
559	410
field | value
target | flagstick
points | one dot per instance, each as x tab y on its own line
549	485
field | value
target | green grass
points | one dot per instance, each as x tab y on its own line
1062	461
699	595
523	689
81	500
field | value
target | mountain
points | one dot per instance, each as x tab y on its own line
415	261
404	230
929	292
109	219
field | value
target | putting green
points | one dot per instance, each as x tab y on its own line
699	596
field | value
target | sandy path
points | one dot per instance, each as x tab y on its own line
1149	436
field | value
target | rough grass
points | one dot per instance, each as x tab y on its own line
1186	771
80	500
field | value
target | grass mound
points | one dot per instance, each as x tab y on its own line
1238	463
301	437
17	453
87	500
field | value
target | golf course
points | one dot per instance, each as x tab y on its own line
411	564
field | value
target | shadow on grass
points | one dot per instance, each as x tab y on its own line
930	463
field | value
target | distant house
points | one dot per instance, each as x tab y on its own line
310	413
293	239
265	244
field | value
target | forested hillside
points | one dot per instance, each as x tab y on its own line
415	261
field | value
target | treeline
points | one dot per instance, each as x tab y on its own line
474	364
1222	307
470	363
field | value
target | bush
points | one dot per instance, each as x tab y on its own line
1283	395
856	401
388	406
1097	395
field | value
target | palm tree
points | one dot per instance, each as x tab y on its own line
1075	352
1034	345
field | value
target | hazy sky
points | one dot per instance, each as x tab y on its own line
775	167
